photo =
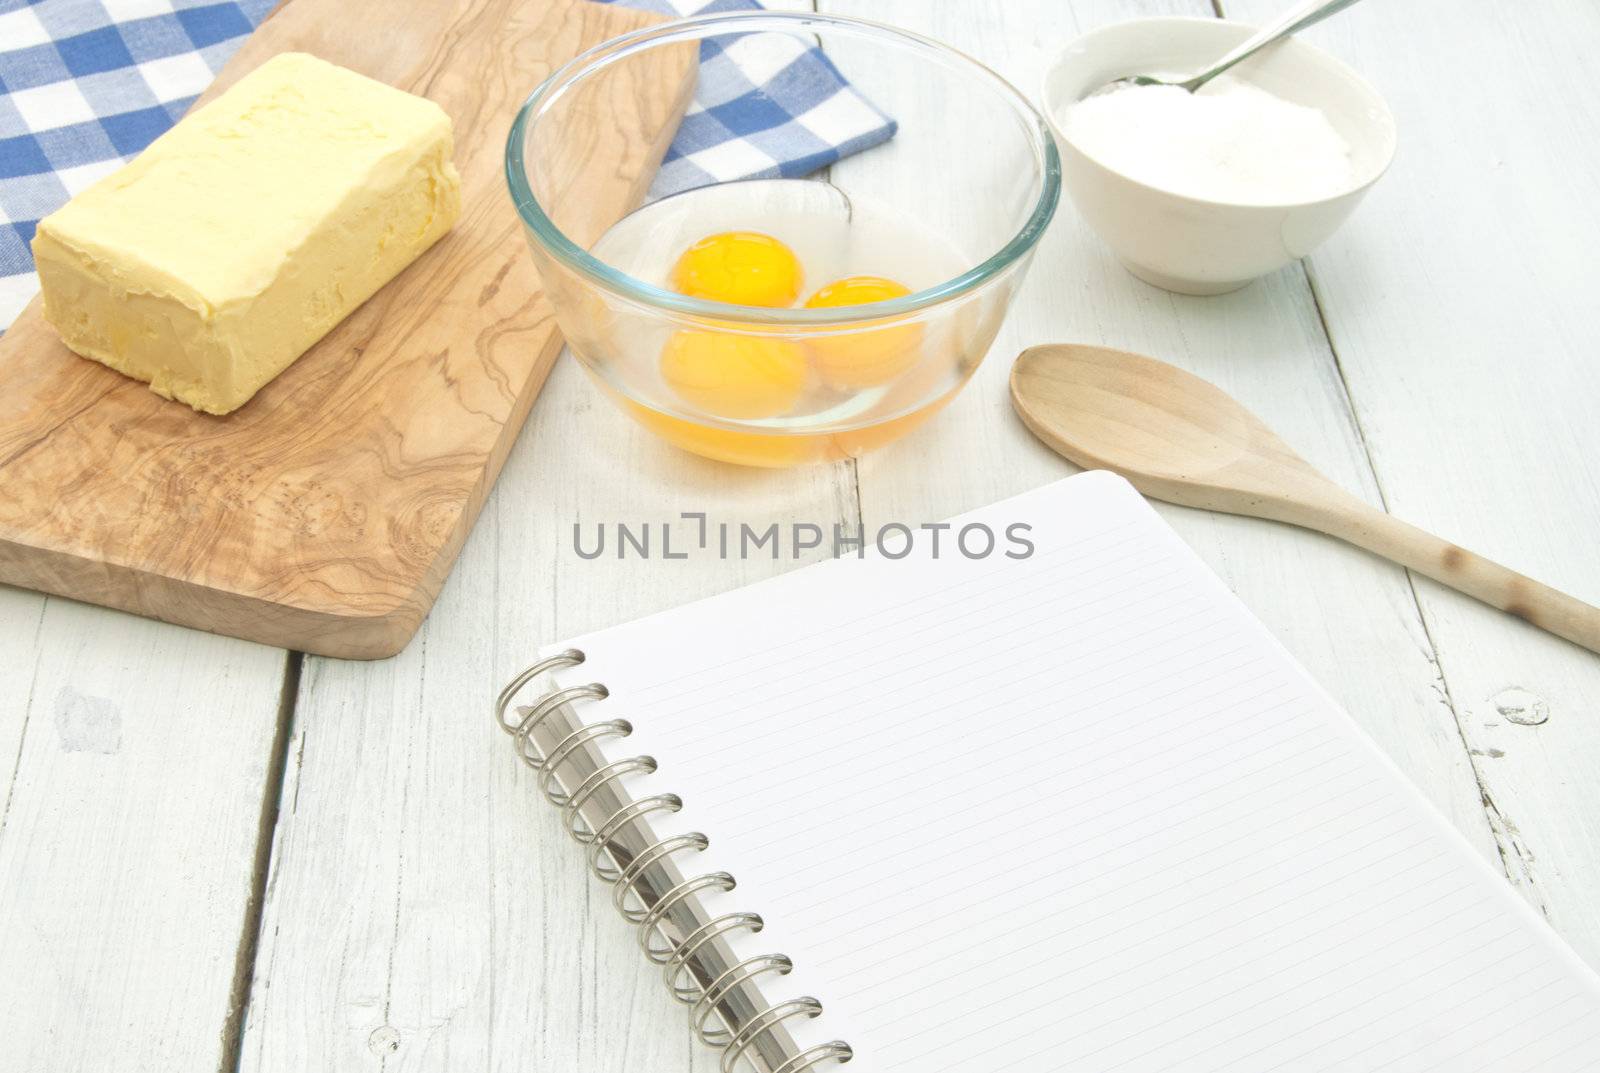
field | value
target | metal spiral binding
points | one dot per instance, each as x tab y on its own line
676	967
718	989
806	1007
677	959
648	931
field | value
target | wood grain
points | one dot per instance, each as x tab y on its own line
513	958
1179	438
1348	617
138	757
325	514
426	912
1461	301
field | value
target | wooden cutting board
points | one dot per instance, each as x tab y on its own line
324	515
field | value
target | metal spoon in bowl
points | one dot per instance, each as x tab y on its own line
1292	22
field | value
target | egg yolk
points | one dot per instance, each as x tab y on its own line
743	268
876	351
730	375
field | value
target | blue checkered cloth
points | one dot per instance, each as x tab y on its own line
86	84
767	105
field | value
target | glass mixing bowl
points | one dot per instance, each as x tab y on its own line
947	210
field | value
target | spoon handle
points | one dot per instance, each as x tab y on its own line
1291	22
1363	525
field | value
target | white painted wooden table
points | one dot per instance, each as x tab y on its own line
217	855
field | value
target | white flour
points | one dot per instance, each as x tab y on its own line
1231	142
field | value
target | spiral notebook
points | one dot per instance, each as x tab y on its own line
1070	811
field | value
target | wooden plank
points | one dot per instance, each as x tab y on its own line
1460	299
22	612
425	909
325	513
1347	616
136	759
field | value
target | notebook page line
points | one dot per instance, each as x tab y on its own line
1078	1010
1212	999
859	750
671	684
731	833
1013	789
1468	1009
969	763
1003	851
852	701
849	642
1089	786
1094	986
1000	852
957	705
701	701
674	684
960	707
1139	881
840	702
1591	1040
1235	1061
1076	865
1259	892
856	751
1473	974
1471	1043
1038	940
847	694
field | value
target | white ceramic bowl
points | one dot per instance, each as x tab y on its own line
1193	245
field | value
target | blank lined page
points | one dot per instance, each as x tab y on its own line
1077	811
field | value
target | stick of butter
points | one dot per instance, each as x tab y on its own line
245	233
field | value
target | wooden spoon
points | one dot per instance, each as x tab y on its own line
1177	437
